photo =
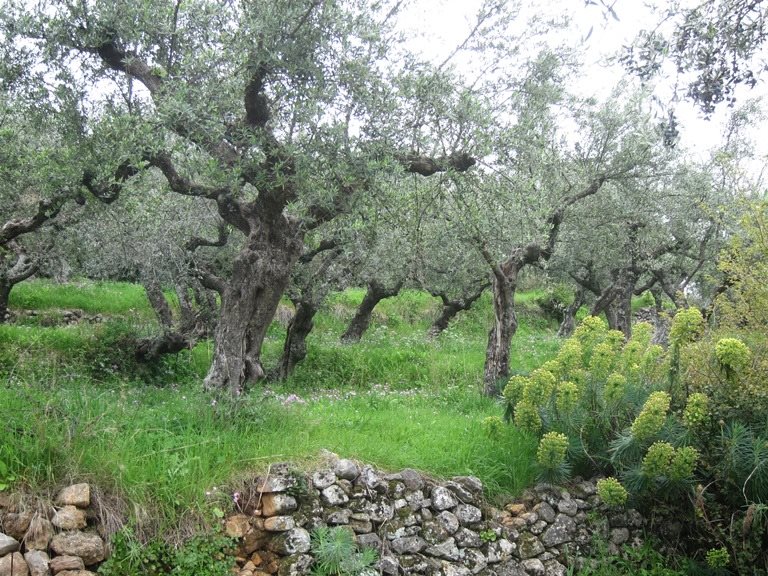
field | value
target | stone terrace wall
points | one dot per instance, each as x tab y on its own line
417	525
420	526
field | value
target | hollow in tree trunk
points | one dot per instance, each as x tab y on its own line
500	336
359	324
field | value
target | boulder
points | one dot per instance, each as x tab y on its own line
87	545
13	565
75	495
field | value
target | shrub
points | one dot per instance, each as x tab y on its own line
611	491
336	553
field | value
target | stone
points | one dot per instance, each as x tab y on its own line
538	527
37	562
361	526
560	531
253	540
448	521
466	538
460	492
529	546
415	500
381	511
470	483
75	495
442	499
13	565
395	489
506	547
346	469
39	534
333	496
76	573
412	479
533	567
237	526
410	545
294	541
295	565
87	545
7	544
278	483
474	560
16	524
278	504
338	516
370	479
69	518
619	535
279	524
388	565
404	532
468	514
530	518
446	550
61	563
545	512
554	568
434	531
568	507
323	479
454	570
371	540
509	568
516	509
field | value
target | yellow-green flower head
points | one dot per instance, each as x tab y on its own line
552	449
687	325
553	367
527	417
513	391
602	359
732	354
541	384
614	387
570	355
493	425
568	395
652	365
642	332
580	376
611	492
684	463
658	460
718	558
593	324
651	418
615	338
696	410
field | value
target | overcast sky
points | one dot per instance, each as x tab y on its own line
440	25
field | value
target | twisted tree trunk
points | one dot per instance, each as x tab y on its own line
362	319
295	345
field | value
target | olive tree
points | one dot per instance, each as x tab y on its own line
276	112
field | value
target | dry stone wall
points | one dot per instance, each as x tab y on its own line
416	524
421	526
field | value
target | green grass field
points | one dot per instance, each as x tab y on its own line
77	406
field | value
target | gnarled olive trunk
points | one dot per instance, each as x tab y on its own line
295	346
5	293
451	308
260	274
568	325
362	319
500	336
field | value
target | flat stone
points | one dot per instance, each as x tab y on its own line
39	534
442	498
87	545
61	563
560	531
69	518
533	567
37	562
277	483
334	496
346	469
470	483
323	479
75	495
338	517
361	526
446	550
237	526
370	479
468	514
460	492
7	544
278	504
279	524
410	545
454	570
371	540
294	541
509	568
516	509
554	568
412	479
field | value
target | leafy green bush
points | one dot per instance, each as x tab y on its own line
554	301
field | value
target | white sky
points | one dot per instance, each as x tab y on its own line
440	25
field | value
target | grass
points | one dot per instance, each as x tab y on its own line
77	406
